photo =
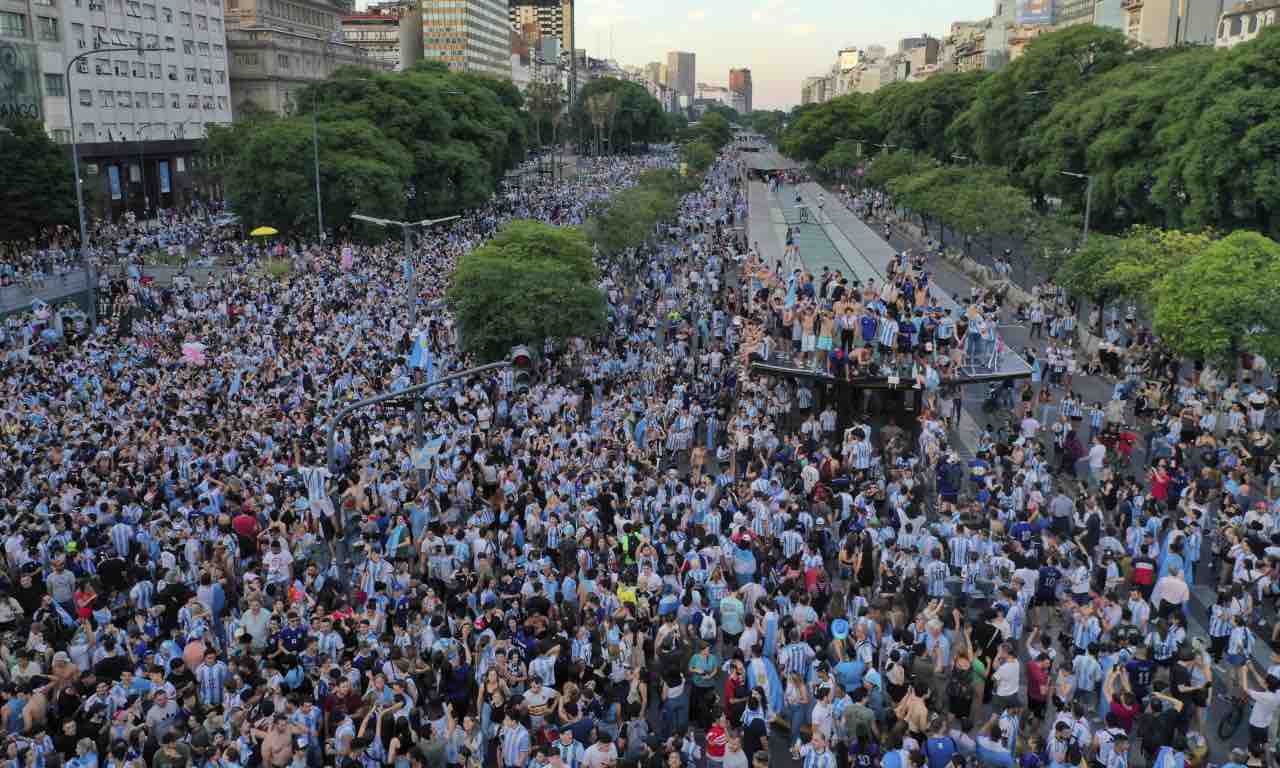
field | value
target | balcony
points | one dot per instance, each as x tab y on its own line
1131	5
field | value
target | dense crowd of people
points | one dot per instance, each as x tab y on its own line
653	555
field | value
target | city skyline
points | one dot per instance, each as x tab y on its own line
780	41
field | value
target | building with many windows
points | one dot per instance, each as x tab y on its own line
549	18
1245	21
469	35
681	75
740	84
278	47
137	114
377	32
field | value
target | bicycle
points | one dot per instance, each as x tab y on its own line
1231	721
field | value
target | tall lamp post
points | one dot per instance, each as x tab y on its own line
142	169
1088	200
407	227
75	165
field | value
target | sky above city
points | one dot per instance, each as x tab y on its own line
780	41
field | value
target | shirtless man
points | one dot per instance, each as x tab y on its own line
277	743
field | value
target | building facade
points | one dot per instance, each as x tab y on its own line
551	18
740	84
175	88
468	35
377	33
278	47
1164	23
1069	13
1245	21
681	75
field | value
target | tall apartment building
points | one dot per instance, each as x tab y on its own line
740	84
1069	13
552	18
137	115
377	33
681	75
468	35
653	72
280	46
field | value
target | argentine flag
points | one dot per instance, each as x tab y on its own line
420	356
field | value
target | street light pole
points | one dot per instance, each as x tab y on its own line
315	158
142	171
419	417
1088	200
75	166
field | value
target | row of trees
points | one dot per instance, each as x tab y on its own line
612	115
1211	297
1187	137
414	143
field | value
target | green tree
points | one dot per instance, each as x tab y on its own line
996	126
626	113
531	282
767	123
916	115
698	155
887	166
1111	130
271	181
39	190
1223	301
814	130
715	130
1221	161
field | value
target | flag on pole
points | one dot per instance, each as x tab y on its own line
420	356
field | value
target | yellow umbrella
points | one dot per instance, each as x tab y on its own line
264	232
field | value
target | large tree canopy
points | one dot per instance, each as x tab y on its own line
415	143
38	192
531	282
1184	137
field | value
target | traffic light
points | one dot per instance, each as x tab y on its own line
522	368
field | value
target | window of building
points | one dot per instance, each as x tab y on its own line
282	60
175	101
167	14
140	69
216	24
184	18
222	102
193	101
134	9
62	135
77	34
106	99
124	99
219	76
120	67
202	49
173	72
149	11
206	77
45	3
189	47
87	130
117	6
46	28
202	23
54	85
157	101
13	24
189	73
140	100
169	43
153	71
218	51
1253	23
1237	25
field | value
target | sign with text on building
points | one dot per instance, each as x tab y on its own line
1034	12
19	80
